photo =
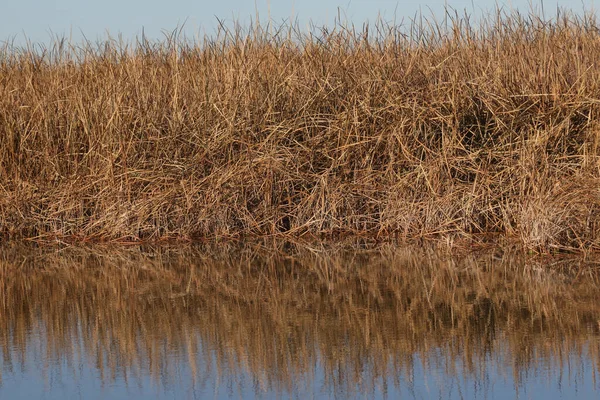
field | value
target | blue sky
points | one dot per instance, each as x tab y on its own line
38	19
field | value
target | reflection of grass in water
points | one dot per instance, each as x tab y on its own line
274	311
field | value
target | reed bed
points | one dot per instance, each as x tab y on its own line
447	129
287	315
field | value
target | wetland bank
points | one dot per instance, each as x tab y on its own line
234	161
427	129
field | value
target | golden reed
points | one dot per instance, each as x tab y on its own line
432	129
279	311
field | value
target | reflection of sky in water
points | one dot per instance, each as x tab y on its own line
75	376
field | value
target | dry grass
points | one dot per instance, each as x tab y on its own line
280	312
424	130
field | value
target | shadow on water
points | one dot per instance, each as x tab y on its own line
287	319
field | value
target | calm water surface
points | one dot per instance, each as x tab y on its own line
299	321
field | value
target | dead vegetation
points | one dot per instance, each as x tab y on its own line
431	129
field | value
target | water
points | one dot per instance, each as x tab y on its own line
283	320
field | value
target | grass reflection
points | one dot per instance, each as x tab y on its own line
280	311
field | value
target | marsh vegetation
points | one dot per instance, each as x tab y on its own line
425	129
